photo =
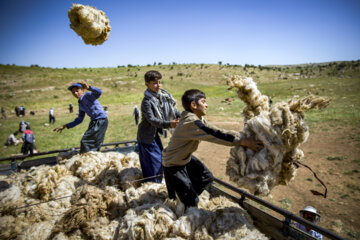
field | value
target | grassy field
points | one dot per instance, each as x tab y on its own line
332	149
39	88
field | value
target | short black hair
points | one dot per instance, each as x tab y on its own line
191	95
152	76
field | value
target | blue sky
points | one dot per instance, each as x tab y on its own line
187	31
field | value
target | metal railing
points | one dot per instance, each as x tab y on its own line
288	215
22	157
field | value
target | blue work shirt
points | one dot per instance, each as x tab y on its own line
89	104
311	232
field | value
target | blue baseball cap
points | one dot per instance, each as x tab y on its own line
75	85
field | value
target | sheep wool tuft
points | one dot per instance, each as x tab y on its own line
89	23
282	130
99	196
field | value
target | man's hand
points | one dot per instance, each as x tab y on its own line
174	123
84	84
59	129
253	144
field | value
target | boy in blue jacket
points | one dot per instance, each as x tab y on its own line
88	103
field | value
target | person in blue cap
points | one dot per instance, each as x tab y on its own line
88	103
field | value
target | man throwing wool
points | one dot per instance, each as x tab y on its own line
88	103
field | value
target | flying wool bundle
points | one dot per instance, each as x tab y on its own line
89	23
282	130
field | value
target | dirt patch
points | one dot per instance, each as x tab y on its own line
333	154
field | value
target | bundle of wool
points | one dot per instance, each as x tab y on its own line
193	223
282	130
99	211
89	23
101	228
10	198
10	227
146	193
87	203
149	221
41	184
89	165
40	230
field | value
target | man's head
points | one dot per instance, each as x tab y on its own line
194	100
77	90
309	213
153	80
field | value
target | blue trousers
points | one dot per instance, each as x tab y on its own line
150	159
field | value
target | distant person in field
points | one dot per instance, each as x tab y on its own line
157	112
88	103
21	111
136	114
3	113
29	141
310	213
71	108
12	140
23	125
51	115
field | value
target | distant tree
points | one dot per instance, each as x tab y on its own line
129	65
220	62
174	63
159	63
154	64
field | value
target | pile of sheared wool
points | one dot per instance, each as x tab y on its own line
89	23
282	130
99	196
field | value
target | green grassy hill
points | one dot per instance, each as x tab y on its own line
39	88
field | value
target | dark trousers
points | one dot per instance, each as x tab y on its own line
188	181
136	119
27	147
94	135
51	118
150	159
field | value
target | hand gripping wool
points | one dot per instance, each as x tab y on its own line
282	130
90	24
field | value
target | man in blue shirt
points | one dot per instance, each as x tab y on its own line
88	103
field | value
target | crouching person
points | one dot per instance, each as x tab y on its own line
88	103
29	140
185	175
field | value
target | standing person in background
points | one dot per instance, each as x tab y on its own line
23	125
3	113
70	108
157	112
136	114
51	115
88	103
29	140
310	213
